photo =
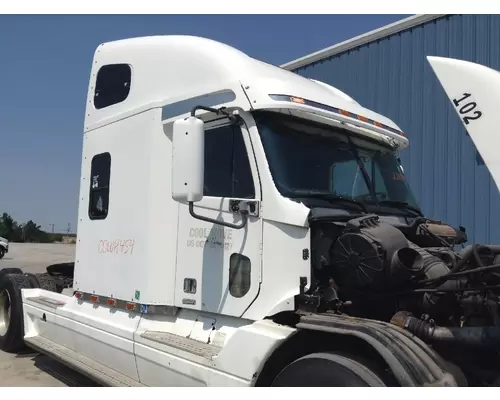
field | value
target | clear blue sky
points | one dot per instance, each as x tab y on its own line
44	67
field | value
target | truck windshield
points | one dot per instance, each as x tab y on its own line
310	160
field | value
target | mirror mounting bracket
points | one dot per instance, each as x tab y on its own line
250	207
218	111
243	208
243	212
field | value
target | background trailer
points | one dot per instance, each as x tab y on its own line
386	70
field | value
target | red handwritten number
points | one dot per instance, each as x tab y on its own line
117	246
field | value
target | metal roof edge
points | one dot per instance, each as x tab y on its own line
360	40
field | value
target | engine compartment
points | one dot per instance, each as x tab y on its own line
415	277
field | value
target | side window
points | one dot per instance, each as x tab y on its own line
100	171
112	85
227	169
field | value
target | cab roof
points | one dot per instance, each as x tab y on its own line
170	69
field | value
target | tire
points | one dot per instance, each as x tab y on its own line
46	282
33	280
2	252
66	269
327	370
6	271
12	326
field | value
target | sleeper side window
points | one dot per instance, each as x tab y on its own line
100	172
112	85
227	168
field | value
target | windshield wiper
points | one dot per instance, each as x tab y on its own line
369	183
403	205
331	198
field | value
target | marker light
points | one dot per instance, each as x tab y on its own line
297	100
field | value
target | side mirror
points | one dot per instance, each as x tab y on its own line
188	159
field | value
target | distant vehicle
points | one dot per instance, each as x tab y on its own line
4	247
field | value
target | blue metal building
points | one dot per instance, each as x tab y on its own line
386	70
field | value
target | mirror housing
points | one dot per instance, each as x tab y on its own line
188	159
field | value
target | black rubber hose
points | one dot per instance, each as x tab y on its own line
453	275
473	336
467	253
476	255
456	289
495	248
476	270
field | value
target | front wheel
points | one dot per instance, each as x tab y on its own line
2	252
327	370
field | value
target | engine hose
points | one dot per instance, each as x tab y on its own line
495	248
476	270
433	266
453	275
487	337
476	255
467	253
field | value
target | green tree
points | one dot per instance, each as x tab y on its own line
31	232
9	228
28	232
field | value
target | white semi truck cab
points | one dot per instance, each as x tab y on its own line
240	225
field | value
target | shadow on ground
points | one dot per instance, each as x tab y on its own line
57	370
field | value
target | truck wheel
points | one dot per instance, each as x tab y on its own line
46	282
33	280
326	370
5	271
11	311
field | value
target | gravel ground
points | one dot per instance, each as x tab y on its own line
35	257
30	368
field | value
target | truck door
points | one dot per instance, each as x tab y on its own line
474	92
218	267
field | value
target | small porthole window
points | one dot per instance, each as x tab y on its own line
112	85
239	275
100	172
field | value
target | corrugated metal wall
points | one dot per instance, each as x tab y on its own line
392	77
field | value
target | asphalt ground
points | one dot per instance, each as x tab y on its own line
30	368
